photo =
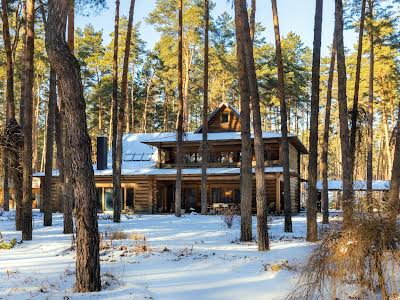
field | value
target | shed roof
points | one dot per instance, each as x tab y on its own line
358	185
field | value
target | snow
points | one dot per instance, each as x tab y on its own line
359	185
193	257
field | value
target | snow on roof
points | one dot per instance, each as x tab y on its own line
139	158
170	137
358	185
189	171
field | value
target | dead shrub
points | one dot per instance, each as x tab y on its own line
276	267
228	216
116	235
364	258
136	236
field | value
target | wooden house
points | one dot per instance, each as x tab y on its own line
149	168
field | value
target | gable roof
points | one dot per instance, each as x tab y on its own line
222	106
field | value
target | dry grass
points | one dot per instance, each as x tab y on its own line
364	258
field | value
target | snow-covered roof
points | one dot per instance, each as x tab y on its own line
140	157
170	137
358	185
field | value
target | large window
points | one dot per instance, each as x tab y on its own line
225	195
105	199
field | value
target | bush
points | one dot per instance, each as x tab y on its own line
365	258
8	246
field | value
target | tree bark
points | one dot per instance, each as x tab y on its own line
180	121
284	128
325	145
204	148
370	107
312	229
393	200
261	201
51	116
253	19
114	116
121	113
67	189
68	70
27	130
246	174
10	106
354	113
347	177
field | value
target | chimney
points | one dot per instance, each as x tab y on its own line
102	145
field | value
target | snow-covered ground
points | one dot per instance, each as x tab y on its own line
193	257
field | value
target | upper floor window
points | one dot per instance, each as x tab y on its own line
225	117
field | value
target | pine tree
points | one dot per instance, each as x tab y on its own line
312	230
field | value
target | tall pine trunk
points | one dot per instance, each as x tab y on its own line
204	148
393	199
261	201
370	106
27	130
114	116
67	189
312	230
121	112
347	175
354	113
10	105
246	174
51	116
68	71
179	124
284	115
325	144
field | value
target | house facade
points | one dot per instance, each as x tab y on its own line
149	168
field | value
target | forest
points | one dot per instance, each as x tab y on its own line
62	87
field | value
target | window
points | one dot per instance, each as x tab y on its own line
105	196
130	198
225	117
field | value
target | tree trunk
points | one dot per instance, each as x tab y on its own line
27	130
51	114
393	201
370	108
253	19
68	70
325	145
165	117
10	106
114	115
121	114
354	113
343	118
246	174
261	201
180	121
284	129
312	229
204	148
146	104
67	189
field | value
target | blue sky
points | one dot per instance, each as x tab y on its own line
295	15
